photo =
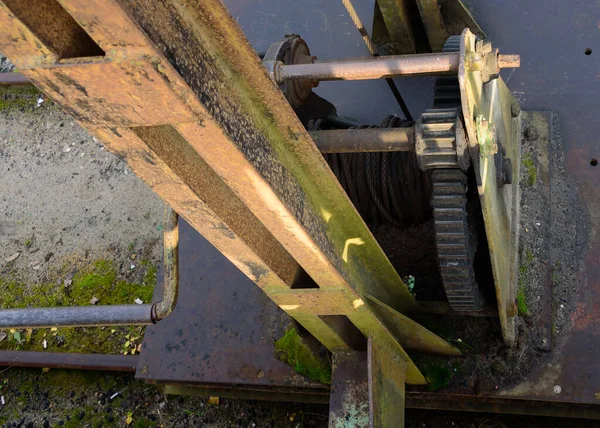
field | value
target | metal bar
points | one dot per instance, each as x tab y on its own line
373	49
432	21
13	79
349	399
76	316
85	316
171	264
509	61
372	68
438	64
386	377
365	140
398	17
68	360
500	404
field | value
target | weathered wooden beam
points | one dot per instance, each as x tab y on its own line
175	89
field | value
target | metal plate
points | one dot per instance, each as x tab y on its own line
222	330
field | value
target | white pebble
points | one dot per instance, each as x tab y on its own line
557	389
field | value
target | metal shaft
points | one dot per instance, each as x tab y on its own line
373	68
76	316
365	140
382	67
13	79
171	264
68	360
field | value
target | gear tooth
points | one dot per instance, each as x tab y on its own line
436	143
455	254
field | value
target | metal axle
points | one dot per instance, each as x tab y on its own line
445	63
365	140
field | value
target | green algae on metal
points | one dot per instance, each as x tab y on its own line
294	350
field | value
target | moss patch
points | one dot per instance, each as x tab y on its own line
527	259
295	351
521	303
530	169
23	98
438	371
100	280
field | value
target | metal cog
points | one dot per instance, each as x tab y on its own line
456	241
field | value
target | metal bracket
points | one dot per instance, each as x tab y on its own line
493	121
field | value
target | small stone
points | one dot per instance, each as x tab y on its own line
138	301
13	257
68	282
132	267
36	267
67	149
2	336
260	374
557	389
94	300
133	256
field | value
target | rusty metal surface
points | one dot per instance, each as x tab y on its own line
373	68
515	406
67	360
364	140
11	79
386	387
492	124
170	264
432	21
222	330
241	392
411	335
349	400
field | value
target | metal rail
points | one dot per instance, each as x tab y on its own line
88	316
13	79
381	67
67	360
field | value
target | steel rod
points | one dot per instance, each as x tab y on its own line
171	264
382	67
76	316
373	68
13	79
365	140
68	360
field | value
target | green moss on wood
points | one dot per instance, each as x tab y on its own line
293	350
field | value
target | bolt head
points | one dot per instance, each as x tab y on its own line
483	46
